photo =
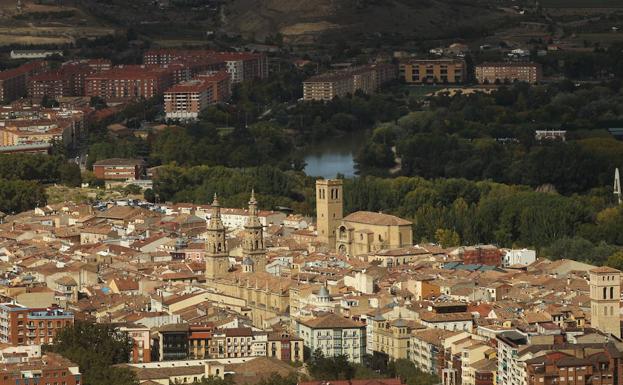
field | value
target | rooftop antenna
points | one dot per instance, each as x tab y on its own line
617	185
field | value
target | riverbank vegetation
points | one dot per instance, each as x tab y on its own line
492	137
265	123
470	171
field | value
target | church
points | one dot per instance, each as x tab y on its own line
361	232
266	296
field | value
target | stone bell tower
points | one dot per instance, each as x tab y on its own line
605	293
329	209
253	243
217	256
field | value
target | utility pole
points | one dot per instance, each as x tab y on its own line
617	185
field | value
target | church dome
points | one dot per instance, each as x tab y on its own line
323	293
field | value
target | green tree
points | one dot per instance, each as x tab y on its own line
70	174
149	195
410	374
330	368
96	348
132	189
447	238
20	195
616	260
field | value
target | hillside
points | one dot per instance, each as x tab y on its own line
304	20
35	24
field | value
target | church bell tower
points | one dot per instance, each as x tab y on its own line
217	256
329	209
605	294
253	243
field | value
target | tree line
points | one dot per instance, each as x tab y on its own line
469	212
22	179
492	136
450	211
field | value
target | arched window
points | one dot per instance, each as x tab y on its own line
612	292
605	292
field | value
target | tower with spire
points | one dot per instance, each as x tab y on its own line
253	243
217	256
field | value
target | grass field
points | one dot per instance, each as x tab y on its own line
582	3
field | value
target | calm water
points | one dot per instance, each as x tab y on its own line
329	157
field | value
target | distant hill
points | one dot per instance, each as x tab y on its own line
305	20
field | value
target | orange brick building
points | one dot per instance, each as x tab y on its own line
119	169
14	82
68	80
129	82
584	365
27	326
50	369
241	66
186	100
482	255
512	71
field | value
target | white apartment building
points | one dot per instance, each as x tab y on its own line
334	335
522	257
235	68
511	370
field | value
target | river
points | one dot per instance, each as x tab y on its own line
334	155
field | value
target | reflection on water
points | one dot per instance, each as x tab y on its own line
333	156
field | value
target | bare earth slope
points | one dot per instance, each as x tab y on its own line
305	19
